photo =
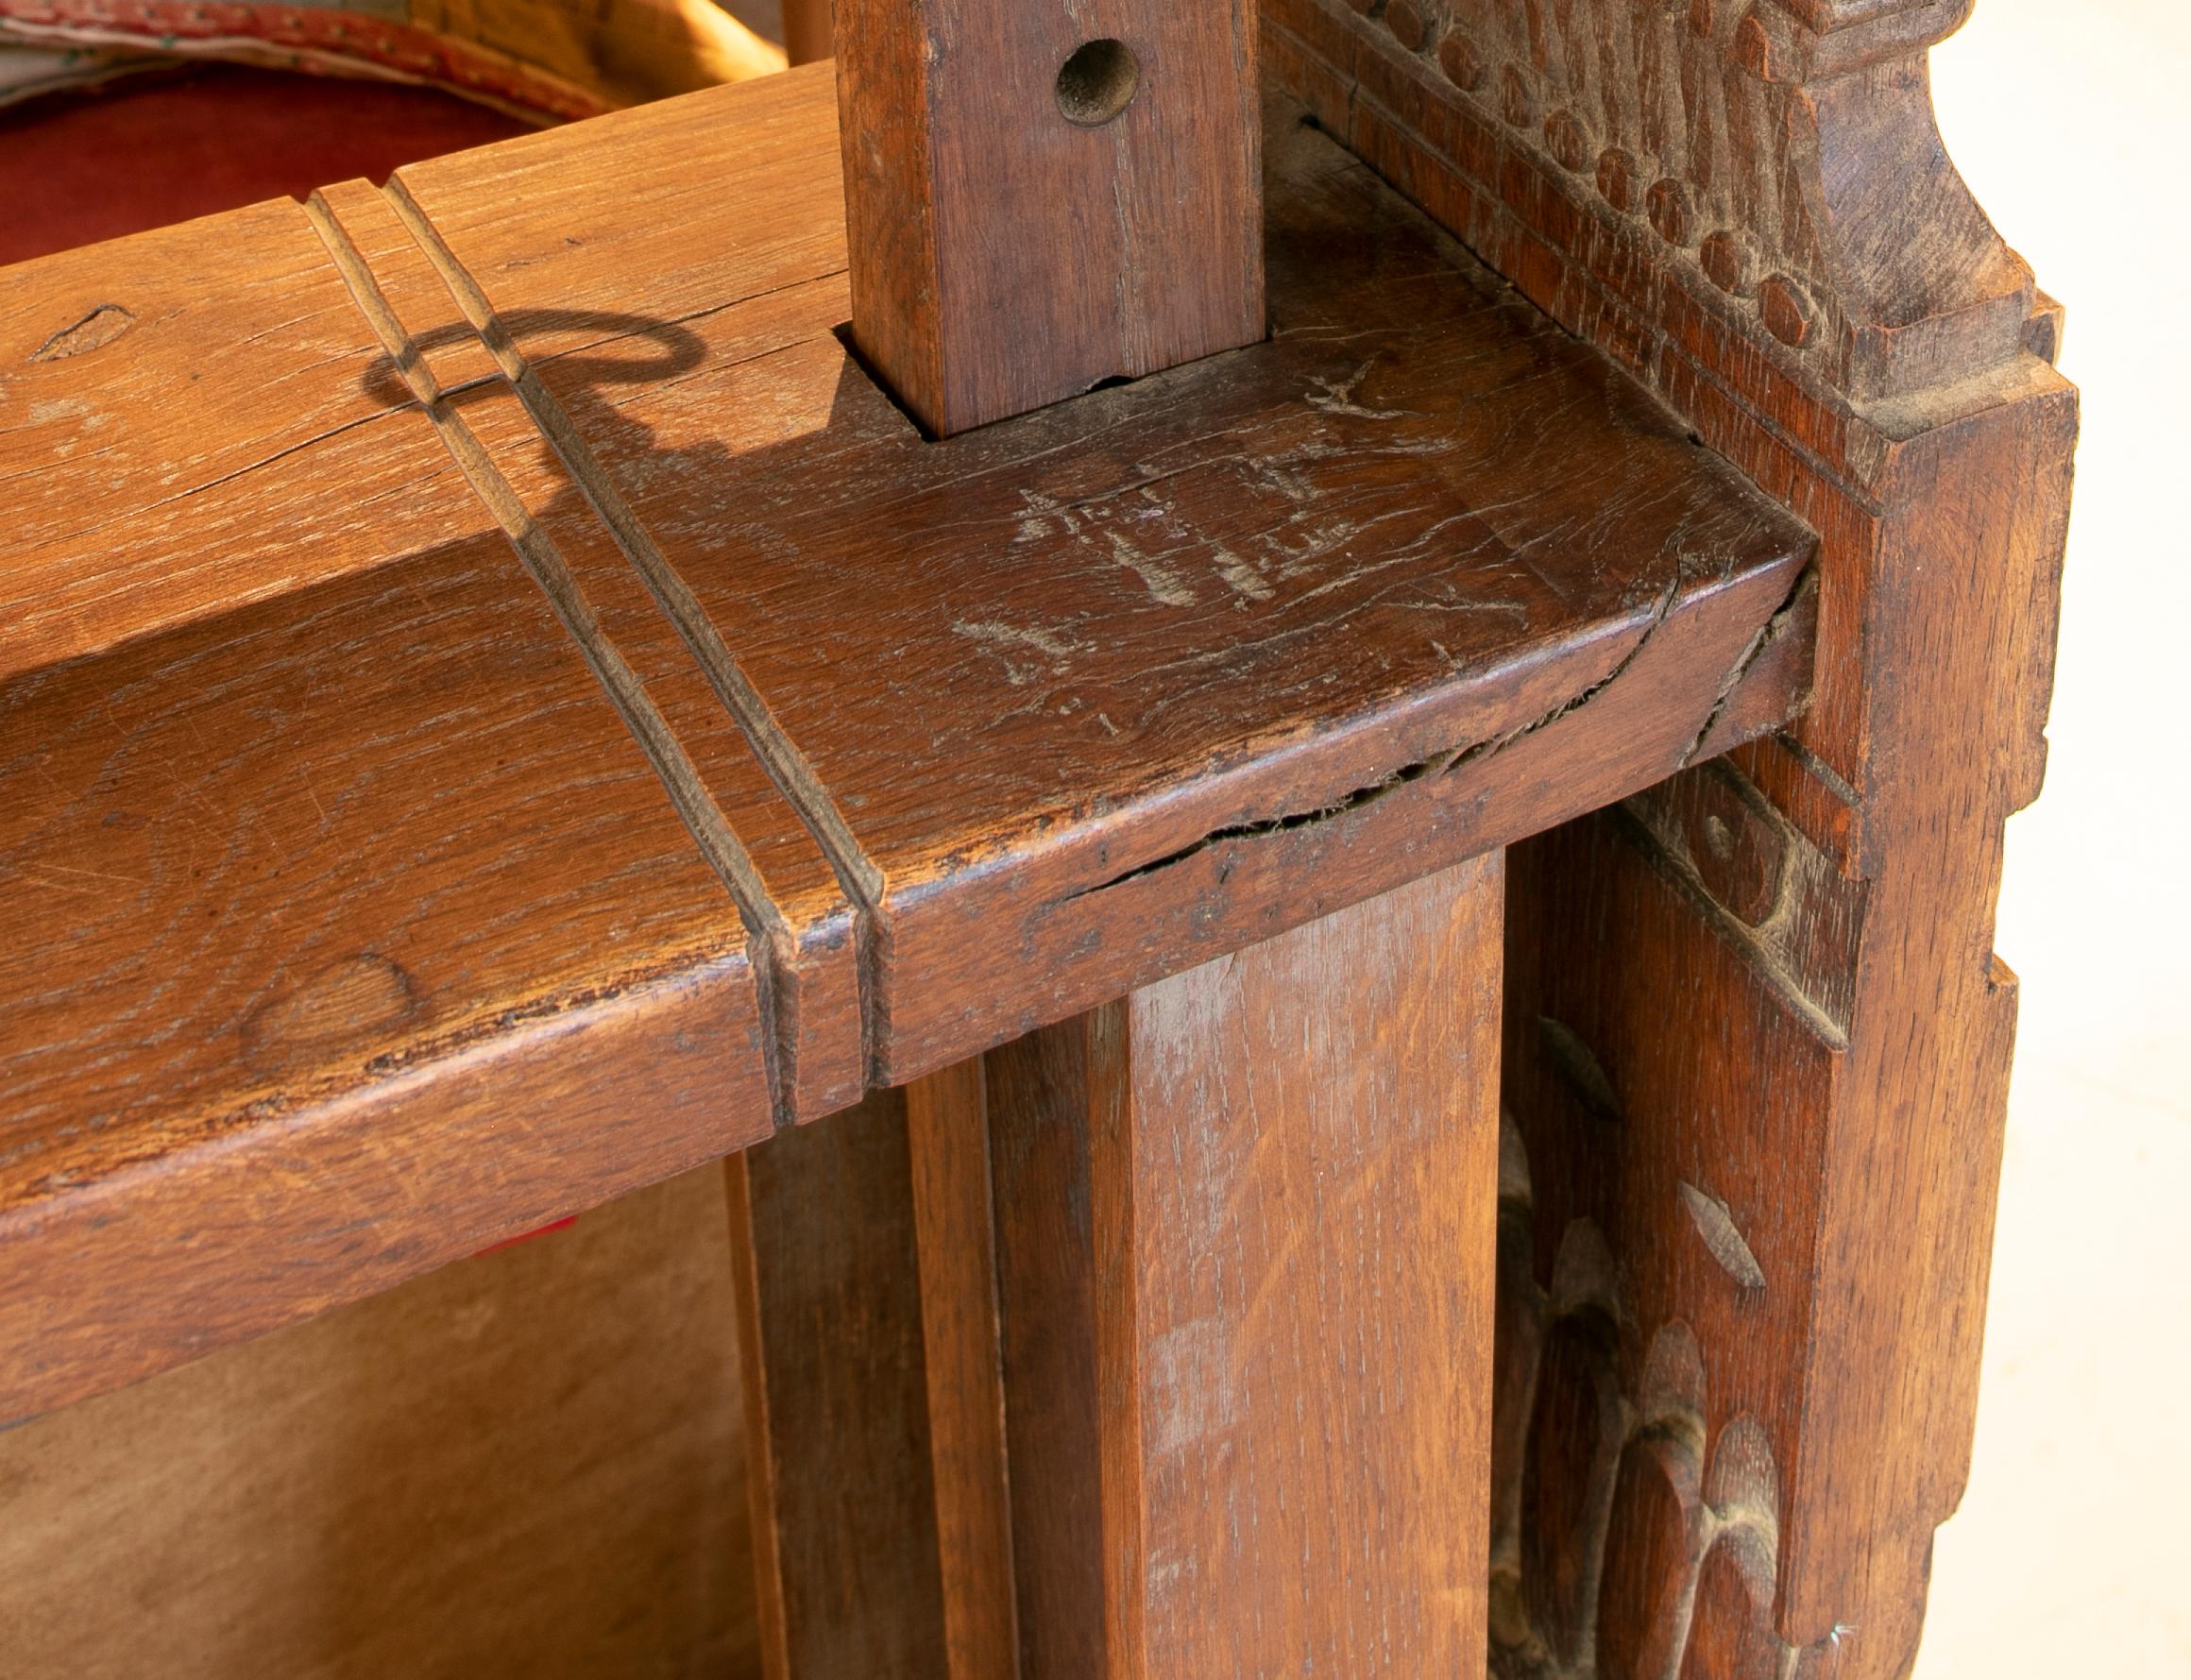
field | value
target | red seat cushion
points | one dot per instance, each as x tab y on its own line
79	167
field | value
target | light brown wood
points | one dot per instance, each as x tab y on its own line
526	1464
1041	199
260	908
1763	1121
1277	1270
665	788
1240	1309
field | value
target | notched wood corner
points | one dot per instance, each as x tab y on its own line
95	331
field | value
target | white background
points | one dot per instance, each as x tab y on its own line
2071	1557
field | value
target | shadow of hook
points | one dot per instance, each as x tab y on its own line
674	349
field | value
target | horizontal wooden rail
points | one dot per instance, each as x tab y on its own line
496	706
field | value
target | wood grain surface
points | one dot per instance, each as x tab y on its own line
1294	1166
1763	1121
1041	199
526	1464
838	1435
566	721
351	931
1201	1282
1112	683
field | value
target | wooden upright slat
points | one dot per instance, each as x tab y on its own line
1041	198
847	1549
1292	1180
1159	1345
954	1229
1115	685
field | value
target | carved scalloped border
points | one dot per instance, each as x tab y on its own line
1777	159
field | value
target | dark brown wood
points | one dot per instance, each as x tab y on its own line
807	30
824	1237
952	1191
866	1260
702	744
1763	1119
1041	199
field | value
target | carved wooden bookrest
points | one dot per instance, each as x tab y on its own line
498	705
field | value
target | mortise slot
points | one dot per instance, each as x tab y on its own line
843	333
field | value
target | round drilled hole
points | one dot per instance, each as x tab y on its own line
1096	83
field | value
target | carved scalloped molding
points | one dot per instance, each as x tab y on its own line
1781	155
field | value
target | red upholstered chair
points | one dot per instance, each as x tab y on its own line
76	168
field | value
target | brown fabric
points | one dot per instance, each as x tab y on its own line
548	60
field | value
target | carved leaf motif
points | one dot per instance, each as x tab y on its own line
1720	1235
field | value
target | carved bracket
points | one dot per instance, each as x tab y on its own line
1780	154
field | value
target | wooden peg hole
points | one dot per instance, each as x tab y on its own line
1098	81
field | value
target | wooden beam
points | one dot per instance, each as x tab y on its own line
530	669
1042	198
1203	1286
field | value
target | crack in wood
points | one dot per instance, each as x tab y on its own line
95	331
1436	764
1346	804
1769	633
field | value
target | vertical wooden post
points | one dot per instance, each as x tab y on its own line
1155	1344
947	1139
1040	196
845	1556
874	1425
1246	1226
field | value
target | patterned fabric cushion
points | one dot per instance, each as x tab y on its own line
542	60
